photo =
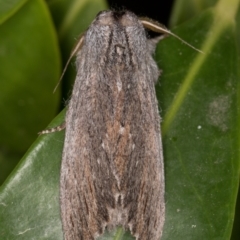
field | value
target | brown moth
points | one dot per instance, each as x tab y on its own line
112	167
112	171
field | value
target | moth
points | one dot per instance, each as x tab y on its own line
112	171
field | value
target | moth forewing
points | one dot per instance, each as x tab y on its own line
112	167
112	171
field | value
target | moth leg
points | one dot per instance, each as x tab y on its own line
55	129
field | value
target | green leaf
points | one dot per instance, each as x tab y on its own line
199	102
184	10
8	8
29	70
199	96
29	198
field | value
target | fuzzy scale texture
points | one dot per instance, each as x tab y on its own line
112	171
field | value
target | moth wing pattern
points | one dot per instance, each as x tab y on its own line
112	165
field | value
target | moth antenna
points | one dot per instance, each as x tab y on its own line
159	28
77	47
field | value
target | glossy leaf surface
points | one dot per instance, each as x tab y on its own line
29	70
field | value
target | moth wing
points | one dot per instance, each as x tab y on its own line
143	179
86	173
112	166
